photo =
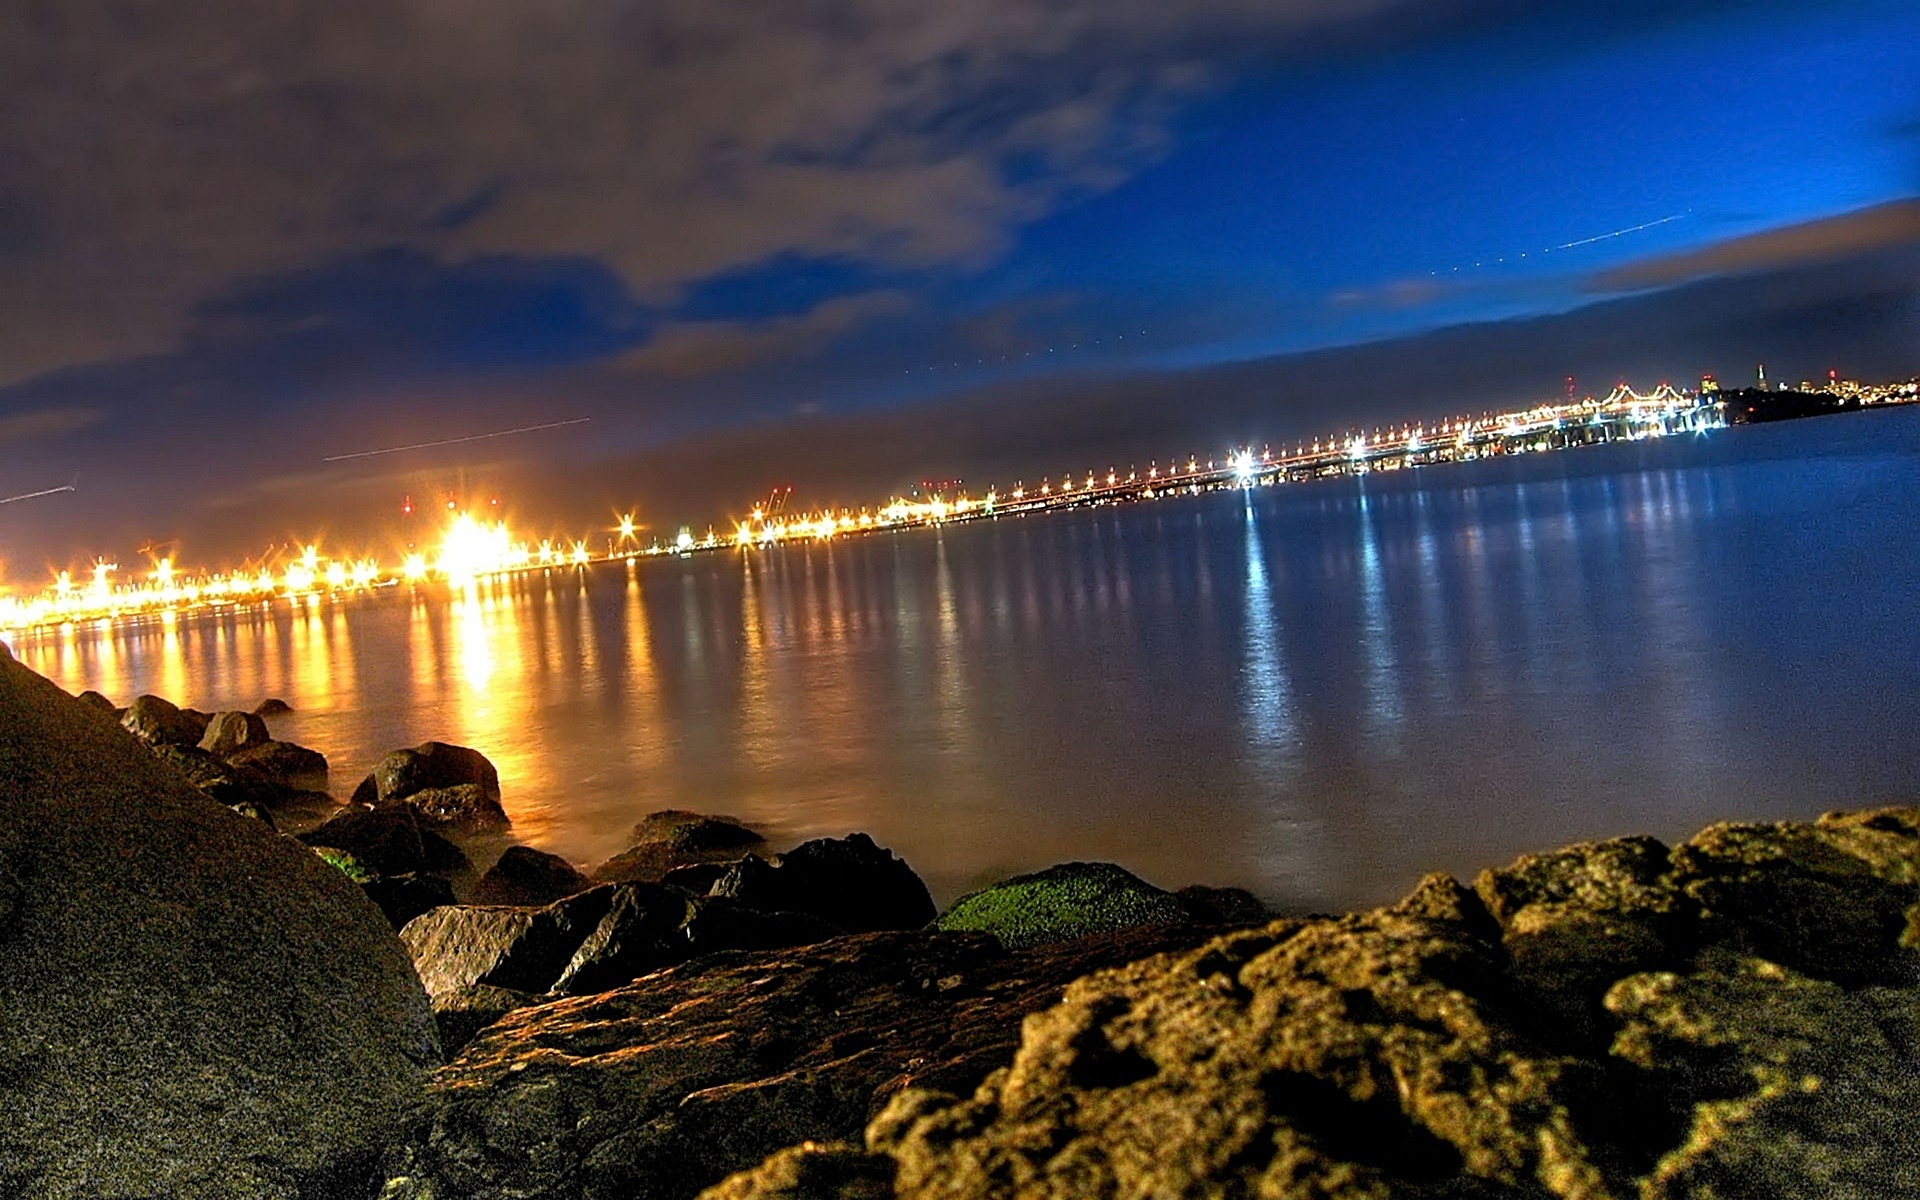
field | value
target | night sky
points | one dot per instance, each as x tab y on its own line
849	246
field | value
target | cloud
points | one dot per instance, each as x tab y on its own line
1882	227
699	348
46	423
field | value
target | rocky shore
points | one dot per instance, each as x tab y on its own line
215	981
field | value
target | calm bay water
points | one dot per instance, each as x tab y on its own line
1316	691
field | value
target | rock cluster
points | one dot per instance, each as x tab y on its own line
1733	1016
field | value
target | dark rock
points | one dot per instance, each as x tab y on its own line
812	1171
95	700
401	898
847	882
464	1012
225	782
231	731
1406	1051
662	1087
428	765
194	1005
523	949
391	841
153	719
1222	905
1061	903
667	840
285	763
696	878
525	876
272	707
253	813
463	808
643	929
718	923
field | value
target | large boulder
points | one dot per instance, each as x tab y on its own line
393	840
231	731
523	875
848	882
194	1006
1744	1025
661	1087
1061	903
428	765
673	839
159	721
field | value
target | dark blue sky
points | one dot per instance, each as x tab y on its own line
232	246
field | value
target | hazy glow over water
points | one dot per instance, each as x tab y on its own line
1317	691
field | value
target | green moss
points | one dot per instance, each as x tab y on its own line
345	863
1072	900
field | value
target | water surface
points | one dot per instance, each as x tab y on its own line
1317	691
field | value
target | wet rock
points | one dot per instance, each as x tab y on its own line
1405	1051
225	782
718	923
96	701
525	876
696	878
162	723
661	1087
848	882
673	838
285	763
195	1006
272	707
524	949
465	1011
230	731
464	808
428	765
391	841
401	898
1063	902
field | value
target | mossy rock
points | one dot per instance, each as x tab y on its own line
1061	903
345	863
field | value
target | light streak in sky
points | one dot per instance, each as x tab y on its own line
37	495
472	437
1610	235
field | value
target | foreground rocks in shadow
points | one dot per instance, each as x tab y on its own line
394	840
1731	1017
663	1086
163	723
848	882
675	839
523	875
1061	903
193	1005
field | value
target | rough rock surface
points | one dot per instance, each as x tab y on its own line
523	875
465	1011
401	898
662	1087
193	1005
429	765
1732	1017
848	882
1063	902
160	721
674	839
231	731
